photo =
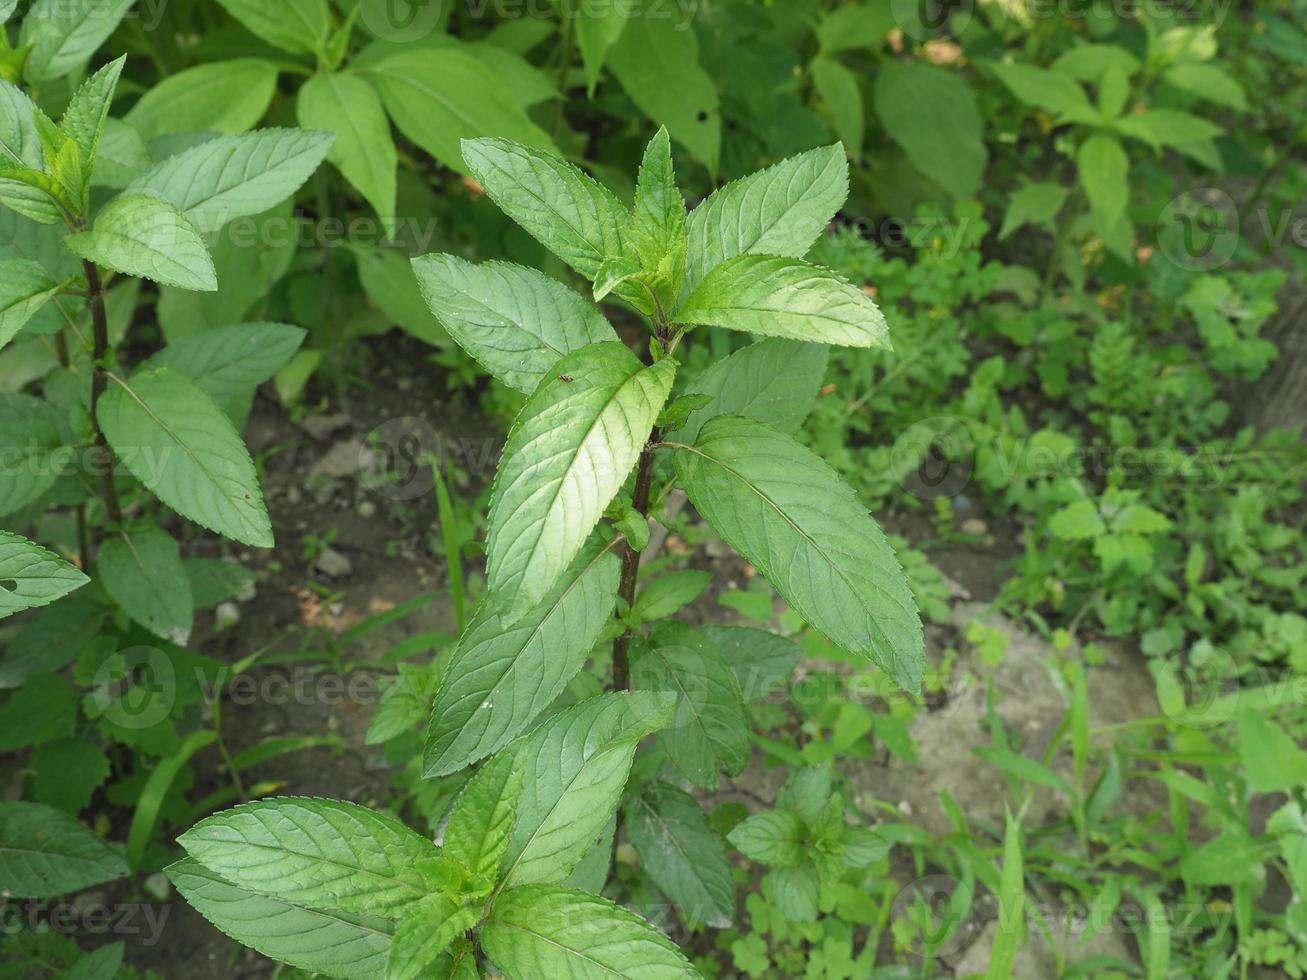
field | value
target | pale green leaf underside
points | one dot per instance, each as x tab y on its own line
567	456
318	853
329	942
235	176
778	211
786	511
517	322
230	361
503	672
65	33
542	931
780	297
143	236
568	212
227	96
574	768
44	852
31	576
175	439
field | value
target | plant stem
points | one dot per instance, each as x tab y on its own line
99	380
631	562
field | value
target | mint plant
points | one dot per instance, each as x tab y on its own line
601	440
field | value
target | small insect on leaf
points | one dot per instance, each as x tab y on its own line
566	377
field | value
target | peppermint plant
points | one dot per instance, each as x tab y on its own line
603	438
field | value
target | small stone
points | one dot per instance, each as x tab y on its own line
975	526
226	615
323	427
367	509
905	808
247	594
331	562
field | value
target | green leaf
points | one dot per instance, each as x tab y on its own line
567	212
235	176
85	116
329	942
441	96
774	837
932	114
543	931
142	571
1011	907
30	576
1076	522
389	278
763	662
33	450
778	211
1034	204
25	287
297	26
795	891
227	96
574	767
364	150
427	929
44	852
1088	62
598	26
1104	172
1167	127
658	66
774	381
21	153
1045	89
710	733
567	456
506	670
42	710
780	297
324	854
515	321
682	853
1272	761
856	25
839	91
1232	858
143	236
121	156
656	234
1207	82
786	511
63	34
481	822
665	595
231	361
176	440
68	773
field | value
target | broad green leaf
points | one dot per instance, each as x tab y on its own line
795	891
1167	127
364	150
42	710
1045	89
146	237
441	96
774	381
121	156
63	34
506	670
1088	62
7	9
21	152
425	932
574	767
778	211
85	116
763	662
598	26
515	321
1231	858
1034	204
656	235
658	66
1207	82
329	942
932	114
481	822
569	213
25	287
175	439
297	26
682	853
318	853
567	456
390	281
839	91
235	176
68	772
31	576
710	733
1272	761
856	25
44	852
774	837
231	361
665	595
786	511
227	96
214	580
780	297
1104	172
543	931
142	571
